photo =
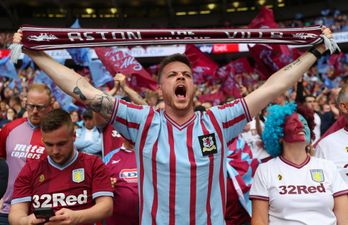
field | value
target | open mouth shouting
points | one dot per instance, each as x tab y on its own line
180	91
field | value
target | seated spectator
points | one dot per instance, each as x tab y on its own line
88	137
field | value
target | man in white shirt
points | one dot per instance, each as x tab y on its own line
334	147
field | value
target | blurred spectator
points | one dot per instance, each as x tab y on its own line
3	177
311	103
75	116
15	103
88	137
334	146
3	109
123	171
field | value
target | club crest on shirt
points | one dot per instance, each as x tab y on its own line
208	144
41	178
317	175
78	175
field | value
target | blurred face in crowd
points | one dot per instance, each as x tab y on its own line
3	106
59	144
310	102
74	116
38	104
89	123
11	114
296	129
326	108
177	87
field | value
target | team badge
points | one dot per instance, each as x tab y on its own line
208	144
317	175
280	177
41	178
78	175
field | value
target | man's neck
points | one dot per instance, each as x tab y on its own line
180	116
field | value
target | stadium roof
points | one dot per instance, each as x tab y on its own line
152	13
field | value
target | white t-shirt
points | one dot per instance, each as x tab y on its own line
298	194
334	147
253	139
317	121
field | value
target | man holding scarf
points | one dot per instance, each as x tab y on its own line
181	155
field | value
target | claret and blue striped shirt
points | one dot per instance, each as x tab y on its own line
181	168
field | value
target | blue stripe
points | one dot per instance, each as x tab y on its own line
20	200
102	194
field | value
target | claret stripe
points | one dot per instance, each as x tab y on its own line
141	149
127	123
233	121
154	177
221	174
193	172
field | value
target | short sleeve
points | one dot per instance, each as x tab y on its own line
127	119
101	184
22	190
232	116
339	186
259	187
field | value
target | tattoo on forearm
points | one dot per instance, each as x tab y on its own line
102	103
77	91
288	67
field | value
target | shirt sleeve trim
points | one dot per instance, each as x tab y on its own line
102	194
339	193
246	110
258	197
20	200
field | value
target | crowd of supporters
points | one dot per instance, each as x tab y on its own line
318	88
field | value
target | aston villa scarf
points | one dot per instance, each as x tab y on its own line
43	38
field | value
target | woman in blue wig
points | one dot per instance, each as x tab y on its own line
293	187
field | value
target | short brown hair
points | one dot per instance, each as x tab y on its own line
56	119
172	58
41	88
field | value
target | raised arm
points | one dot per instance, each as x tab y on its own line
280	81
132	94
71	82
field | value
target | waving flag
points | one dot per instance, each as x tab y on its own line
117	61
338	62
215	98
27	61
7	68
99	74
238	66
241	168
80	56
264	19
269	57
203	67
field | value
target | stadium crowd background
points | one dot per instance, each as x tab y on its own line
322	81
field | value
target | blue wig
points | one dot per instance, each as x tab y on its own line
273	130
